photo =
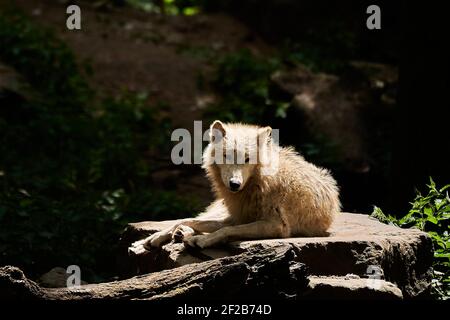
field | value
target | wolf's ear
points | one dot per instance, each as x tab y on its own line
217	131
264	134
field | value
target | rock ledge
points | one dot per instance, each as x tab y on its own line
400	259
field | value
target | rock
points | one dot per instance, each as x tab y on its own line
55	278
379	76
269	274
335	109
327	110
354	288
14	285
357	245
12	83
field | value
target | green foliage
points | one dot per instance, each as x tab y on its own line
172	7
74	169
430	213
313	57
49	64
244	83
323	50
199	52
378	214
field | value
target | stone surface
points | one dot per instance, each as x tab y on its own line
268	274
356	244
351	288
55	278
337	108
12	84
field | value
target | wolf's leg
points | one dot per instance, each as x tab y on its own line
159	238
215	217
189	228
255	230
181	232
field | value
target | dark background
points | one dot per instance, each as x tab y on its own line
86	116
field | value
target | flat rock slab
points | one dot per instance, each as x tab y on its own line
351	287
357	245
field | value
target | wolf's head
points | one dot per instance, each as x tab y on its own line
236	151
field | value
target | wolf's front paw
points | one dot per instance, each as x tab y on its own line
157	239
200	241
182	232
137	247
193	241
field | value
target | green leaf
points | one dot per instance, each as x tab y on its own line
432	219
439	203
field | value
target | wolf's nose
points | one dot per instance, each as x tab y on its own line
234	186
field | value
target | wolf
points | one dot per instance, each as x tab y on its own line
262	191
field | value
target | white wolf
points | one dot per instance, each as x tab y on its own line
296	198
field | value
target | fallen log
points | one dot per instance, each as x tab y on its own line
257	274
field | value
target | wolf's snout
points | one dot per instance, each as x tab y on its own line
234	185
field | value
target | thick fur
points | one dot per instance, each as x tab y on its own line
298	199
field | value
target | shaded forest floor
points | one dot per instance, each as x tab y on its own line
172	59
75	179
168	57
64	198
172	62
